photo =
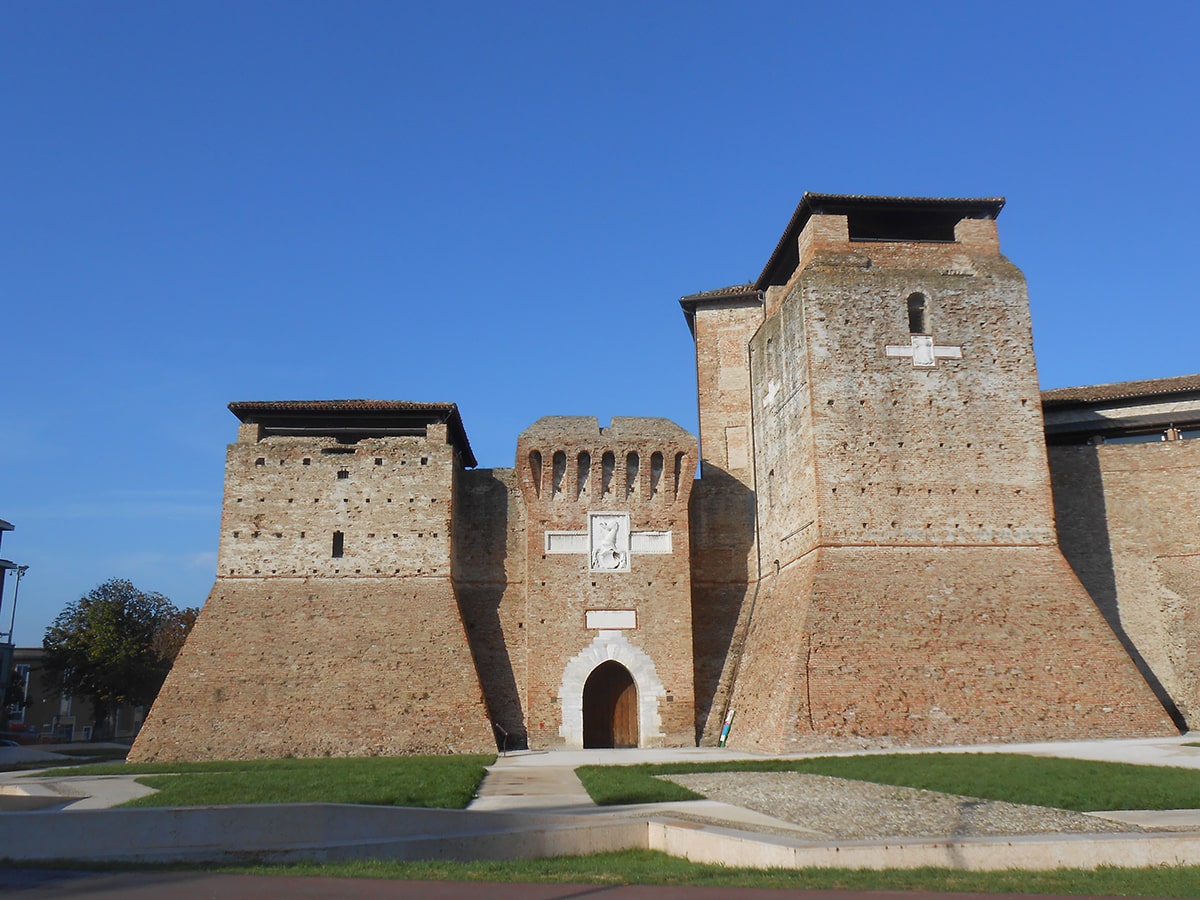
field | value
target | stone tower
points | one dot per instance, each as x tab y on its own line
907	582
333	627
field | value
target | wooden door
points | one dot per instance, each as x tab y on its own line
610	707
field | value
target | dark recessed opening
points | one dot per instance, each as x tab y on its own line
918	319
934	225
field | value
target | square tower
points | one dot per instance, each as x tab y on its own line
333	628
910	585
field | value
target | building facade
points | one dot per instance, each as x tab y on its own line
869	554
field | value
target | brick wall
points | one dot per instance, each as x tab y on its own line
722	521
1125	519
568	468
933	646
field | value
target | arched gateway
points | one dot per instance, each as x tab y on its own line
610	694
610	708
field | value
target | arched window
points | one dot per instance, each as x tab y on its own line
560	471
583	470
535	470
608	465
918	314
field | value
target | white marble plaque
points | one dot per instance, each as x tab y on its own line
566	542
650	542
611	619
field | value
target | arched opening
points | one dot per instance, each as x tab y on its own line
610	708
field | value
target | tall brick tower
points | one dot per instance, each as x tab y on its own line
909	581
333	627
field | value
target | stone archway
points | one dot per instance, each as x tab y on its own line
610	708
647	688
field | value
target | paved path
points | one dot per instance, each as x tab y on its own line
545	781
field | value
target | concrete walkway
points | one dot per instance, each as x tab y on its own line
532	804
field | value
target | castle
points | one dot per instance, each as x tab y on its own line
868	554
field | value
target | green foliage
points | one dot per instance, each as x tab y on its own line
116	645
651	867
442	782
1040	781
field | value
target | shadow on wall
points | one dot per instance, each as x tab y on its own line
481	547
1082	516
722	521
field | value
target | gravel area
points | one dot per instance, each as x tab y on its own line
839	808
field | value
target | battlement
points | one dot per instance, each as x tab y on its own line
635	461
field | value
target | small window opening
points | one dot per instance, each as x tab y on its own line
656	471
632	466
608	465
378	461
918	314
583	470
343	473
535	470
306	461
559	472
260	461
339	544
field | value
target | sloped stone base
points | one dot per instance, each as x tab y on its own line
927	646
293	667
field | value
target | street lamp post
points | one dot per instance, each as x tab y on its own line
6	566
6	648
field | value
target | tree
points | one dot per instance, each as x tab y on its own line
116	645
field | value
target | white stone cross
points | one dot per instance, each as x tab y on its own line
924	352
772	389
608	542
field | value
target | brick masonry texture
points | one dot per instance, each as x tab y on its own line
868	556
920	595
1126	516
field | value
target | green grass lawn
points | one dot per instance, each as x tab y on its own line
450	782
1040	781
651	867
446	782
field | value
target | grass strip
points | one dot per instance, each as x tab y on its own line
1079	785
654	868
443	782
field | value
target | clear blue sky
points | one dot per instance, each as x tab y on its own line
500	205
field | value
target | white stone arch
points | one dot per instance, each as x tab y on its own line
611	645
